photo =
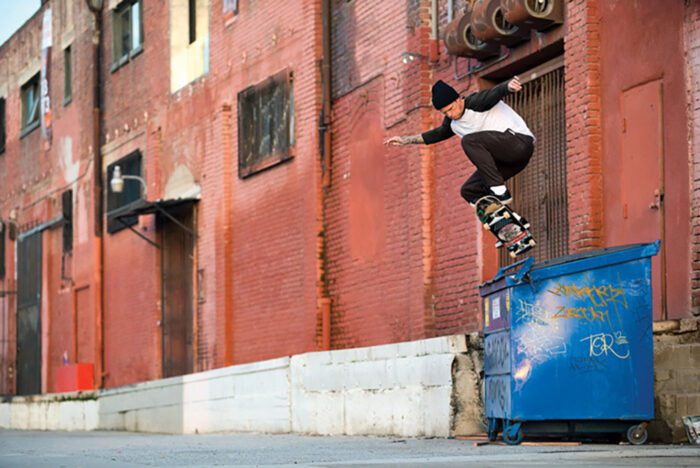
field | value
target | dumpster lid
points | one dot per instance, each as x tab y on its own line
567	264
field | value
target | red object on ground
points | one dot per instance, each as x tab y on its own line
74	377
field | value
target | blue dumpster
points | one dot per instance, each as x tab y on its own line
568	345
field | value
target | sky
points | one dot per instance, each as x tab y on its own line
13	14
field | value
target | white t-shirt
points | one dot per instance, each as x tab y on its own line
499	118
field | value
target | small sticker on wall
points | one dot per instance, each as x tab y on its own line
486	312
496	308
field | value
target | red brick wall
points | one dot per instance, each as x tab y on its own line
379	209
33	175
272	214
692	49
584	128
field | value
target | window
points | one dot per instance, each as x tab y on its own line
192	7
2	125
67	204
230	11
265	124
30	105
67	87
127	32
129	165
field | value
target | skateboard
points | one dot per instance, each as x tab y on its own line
511	229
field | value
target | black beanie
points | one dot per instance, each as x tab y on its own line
443	94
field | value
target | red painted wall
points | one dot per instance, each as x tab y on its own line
631	63
33	175
403	253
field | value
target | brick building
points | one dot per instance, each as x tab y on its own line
271	219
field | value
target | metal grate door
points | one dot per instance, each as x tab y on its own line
29	315
539	192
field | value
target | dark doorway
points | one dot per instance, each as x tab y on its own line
29	315
177	269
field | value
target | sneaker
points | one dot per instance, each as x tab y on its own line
504	198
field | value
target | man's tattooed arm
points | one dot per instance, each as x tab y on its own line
405	140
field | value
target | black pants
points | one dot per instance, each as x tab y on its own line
498	156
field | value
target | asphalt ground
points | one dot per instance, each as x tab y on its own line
37	449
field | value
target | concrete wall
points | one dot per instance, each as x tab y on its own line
676	378
406	389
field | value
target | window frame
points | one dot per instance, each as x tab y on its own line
117	203
121	57
230	11
265	161
27	127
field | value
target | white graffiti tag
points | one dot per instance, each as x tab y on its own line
602	343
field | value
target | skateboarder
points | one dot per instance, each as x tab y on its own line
494	137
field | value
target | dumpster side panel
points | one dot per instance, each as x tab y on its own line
582	345
497	353
498	396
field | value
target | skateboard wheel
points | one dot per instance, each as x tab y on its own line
506	215
513	255
487	227
532	243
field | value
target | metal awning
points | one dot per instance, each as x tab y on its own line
159	207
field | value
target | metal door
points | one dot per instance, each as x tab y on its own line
29	315
177	282
641	182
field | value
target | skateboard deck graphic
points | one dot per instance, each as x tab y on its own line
508	227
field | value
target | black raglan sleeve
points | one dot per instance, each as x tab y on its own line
484	100
443	132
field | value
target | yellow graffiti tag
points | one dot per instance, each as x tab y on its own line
600	296
589	314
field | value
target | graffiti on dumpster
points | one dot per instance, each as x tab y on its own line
589	314
497	353
603	295
582	364
531	313
602	343
498	394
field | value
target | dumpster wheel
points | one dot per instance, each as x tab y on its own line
513	434
637	434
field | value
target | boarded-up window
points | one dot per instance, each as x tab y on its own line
129	165
67	205
265	124
540	190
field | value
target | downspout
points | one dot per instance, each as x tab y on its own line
323	305
98	270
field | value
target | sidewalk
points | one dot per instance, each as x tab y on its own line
126	449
